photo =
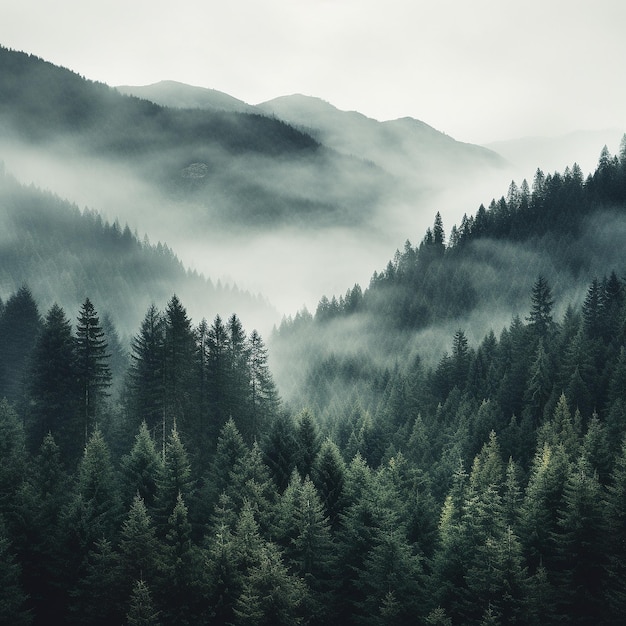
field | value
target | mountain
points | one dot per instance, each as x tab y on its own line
228	167
410	149
170	93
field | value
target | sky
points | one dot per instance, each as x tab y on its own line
478	70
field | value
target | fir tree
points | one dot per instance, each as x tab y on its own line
92	365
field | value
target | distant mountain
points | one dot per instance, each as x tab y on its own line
411	150
406	147
234	168
170	93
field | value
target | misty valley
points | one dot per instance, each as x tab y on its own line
224	399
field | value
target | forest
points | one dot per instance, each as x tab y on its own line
168	482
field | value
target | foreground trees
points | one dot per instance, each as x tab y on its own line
481	491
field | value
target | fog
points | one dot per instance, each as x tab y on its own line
290	259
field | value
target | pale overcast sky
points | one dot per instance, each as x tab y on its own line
479	70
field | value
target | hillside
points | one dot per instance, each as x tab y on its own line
223	166
565	228
483	487
64	255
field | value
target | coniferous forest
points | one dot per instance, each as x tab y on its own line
167	482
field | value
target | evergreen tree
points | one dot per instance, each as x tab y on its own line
180	387
540	318
238	379
19	328
615	532
279	448
140	550
182	569
13	455
329	475
12	598
579	547
231	450
141	469
174	479
42	499
98	487
309	551
92	365
53	393
307	443
251	483
142	611
147	373
263	394
99	597
217	374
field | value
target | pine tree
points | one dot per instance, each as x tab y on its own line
540	318
98	486
140	550
99	597
307	443
231	449
238	378
615	531
141	469
217	374
579	547
12	598
263	394
174	479
329	475
142	611
19	328
180	388
92	367
182	568
53	391
147	373
279	449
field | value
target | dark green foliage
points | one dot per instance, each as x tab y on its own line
173	480
147	373
359	509
53	390
19	328
92	366
12	598
142	611
141	469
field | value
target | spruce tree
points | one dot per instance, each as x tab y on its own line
53	391
19	328
147	373
540	317
142	611
92	365
141	469
12	597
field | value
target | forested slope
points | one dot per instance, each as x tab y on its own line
64	254
488	488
